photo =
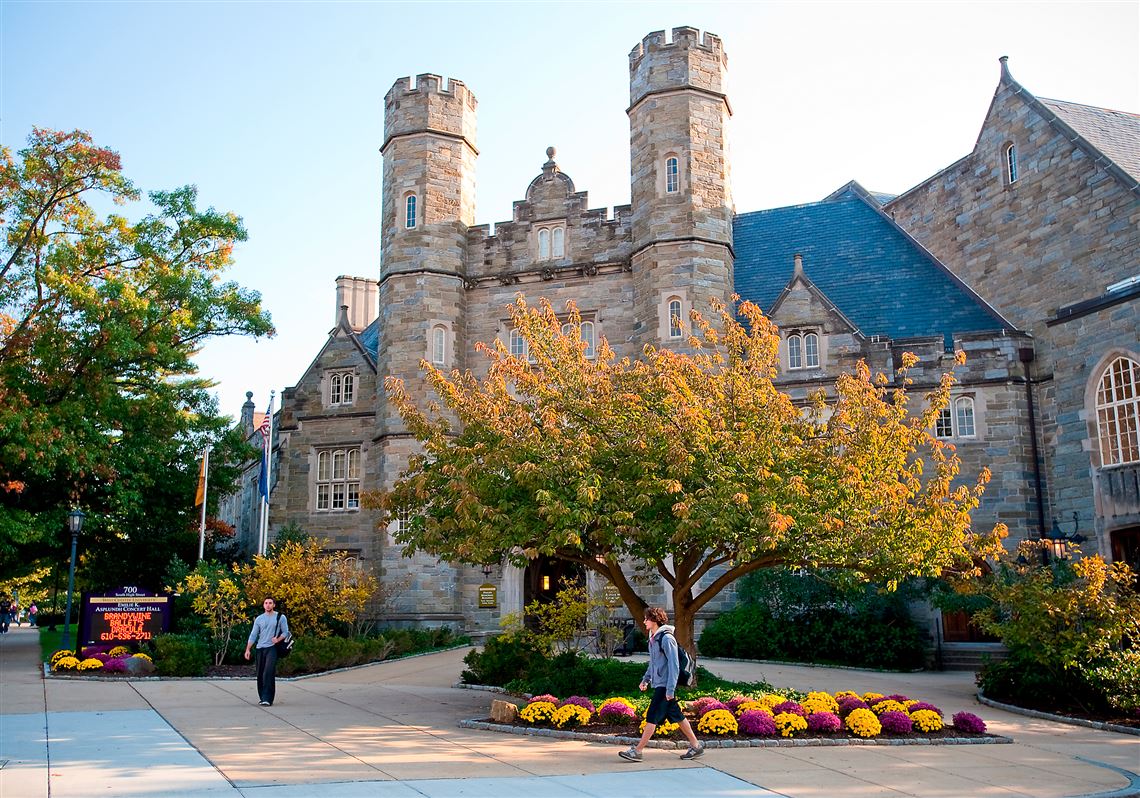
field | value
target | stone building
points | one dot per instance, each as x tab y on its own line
845	278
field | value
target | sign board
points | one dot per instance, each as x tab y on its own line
611	595
128	615
488	596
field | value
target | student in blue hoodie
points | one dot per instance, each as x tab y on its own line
661	675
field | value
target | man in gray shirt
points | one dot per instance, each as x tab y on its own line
269	629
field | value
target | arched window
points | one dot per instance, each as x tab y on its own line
347	389
676	323
964	416
410	211
795	352
438	345
811	350
588	337
334	390
558	242
1118	412
517	344
342	388
672	175
543	244
1010	164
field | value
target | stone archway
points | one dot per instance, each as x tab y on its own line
1125	545
544	577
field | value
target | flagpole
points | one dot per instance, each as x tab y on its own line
263	532
205	487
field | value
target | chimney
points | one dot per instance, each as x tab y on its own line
360	296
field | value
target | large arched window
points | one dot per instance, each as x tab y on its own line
964	416
410	212
1010	164
795	352
1118	412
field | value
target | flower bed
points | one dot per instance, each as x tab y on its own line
816	715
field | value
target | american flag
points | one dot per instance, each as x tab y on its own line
264	429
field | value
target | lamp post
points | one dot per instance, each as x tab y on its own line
75	525
1059	540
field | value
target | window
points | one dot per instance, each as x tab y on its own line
1118	413
811	350
518	346
338	480
587	333
1010	164
956	420
543	244
672	170
803	350
795	353
550	241
438	345
410	211
342	388
557	242
676	327
401	520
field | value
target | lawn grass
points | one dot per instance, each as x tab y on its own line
51	641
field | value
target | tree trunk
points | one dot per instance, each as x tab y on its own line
684	616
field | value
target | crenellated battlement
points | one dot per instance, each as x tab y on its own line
690	60
432	104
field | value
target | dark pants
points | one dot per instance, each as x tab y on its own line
266	673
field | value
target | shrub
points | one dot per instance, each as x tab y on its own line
756	721
115	665
579	701
506	658
896	722
789	706
217	598
754	706
90	664
718	721
119	651
922	705
181	655
57	656
314	654
570	716
537	712
617	713
969	723
849	703
789	723
822	700
863	723
734	702
887	705
824	722
545	697
926	720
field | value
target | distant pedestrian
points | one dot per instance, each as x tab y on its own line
269	629
14	614
4	616
33	611
662	673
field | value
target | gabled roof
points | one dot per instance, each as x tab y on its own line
1114	133
877	275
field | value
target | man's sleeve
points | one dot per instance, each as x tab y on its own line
253	633
285	627
672	668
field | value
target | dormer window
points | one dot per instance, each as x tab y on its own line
672	175
1010	164
803	351
550	241
410	212
342	388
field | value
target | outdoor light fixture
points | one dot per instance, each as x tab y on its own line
487	569
1059	540
75	526
546	583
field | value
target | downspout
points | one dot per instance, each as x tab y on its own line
1025	354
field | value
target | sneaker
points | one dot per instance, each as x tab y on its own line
631	754
264	704
693	753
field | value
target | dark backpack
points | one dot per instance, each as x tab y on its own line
685	671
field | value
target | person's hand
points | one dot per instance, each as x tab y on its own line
668	698
247	653
643	685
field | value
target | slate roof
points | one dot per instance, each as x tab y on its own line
370	338
1114	133
876	275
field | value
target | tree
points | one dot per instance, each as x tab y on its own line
100	318
218	599
695	465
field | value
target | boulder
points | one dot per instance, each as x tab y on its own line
138	666
504	712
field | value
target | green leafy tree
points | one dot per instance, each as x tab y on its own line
218	599
100	317
696	465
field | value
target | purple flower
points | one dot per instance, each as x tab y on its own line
753	721
895	722
735	701
849	703
101	656
789	706
826	722
116	665
579	701
924	705
969	722
704	705
544	697
617	713
92	651
896	697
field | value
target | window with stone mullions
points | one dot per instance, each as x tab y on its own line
672	175
587	334
1118	413
342	388
338	480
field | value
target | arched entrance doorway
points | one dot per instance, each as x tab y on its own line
545	576
1126	546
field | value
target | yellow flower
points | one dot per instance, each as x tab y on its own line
663	729
753	705
90	664
770	700
846	694
831	704
910	702
119	651
63	652
887	705
863	723
538	712
719	721
66	663
926	720
569	716
789	723
141	655
871	698
814	705
619	700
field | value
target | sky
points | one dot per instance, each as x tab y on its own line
274	110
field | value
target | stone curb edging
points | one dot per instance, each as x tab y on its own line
808	665
1035	713
482	725
49	674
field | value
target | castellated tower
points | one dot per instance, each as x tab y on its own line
428	204
681	196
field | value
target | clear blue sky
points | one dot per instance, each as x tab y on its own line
275	110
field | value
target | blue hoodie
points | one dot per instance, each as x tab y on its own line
663	667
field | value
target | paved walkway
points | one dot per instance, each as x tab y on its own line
389	730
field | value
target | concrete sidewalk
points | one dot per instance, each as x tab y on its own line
390	730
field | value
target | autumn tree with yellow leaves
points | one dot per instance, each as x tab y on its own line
694	464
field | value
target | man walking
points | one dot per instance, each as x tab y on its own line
661	675
269	629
